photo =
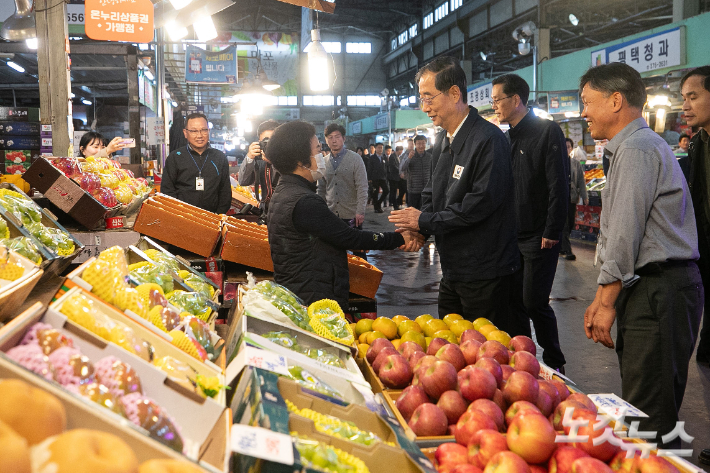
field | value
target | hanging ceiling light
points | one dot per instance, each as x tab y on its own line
204	27
175	32
267	83
317	63
21	25
15	66
179	4
573	19
32	43
251	98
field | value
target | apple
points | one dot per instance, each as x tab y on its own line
491	409
483	445
452	430
562	389
620	464
506	462
559	414
377	345
604	451
438	378
453	405
425	362
408	348
537	469
500	400
544	402
550	389
584	399
466	468
522	343
507	370
89	182
532	437
382	356
428	420
414	358
472	334
105	196
495	350
452	353
450	454
493	367
520	407
471	422
411	398
521	386
477	383
524	361
562	459
396	372
590	465
469	348
435	344
654	464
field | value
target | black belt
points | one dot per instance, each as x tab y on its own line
658	268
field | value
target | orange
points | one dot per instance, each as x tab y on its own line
362	349
480	322
408	326
433	326
363	337
500	336
362	326
458	326
423	319
428	341
397	342
487	329
372	336
385	326
398	319
450	318
446	335
415	337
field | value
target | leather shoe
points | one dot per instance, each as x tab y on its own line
379	211
704	456
570	257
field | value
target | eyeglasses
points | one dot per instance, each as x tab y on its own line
428	100
497	101
203	131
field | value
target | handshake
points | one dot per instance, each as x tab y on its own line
407	223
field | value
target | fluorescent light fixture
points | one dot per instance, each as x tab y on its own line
483	55
31	43
660	100
541	113
148	74
204	27
270	87
318	71
175	32
179	4
143	46
16	66
571	114
86	102
573	19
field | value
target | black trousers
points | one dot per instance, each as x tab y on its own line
534	283
376	185
704	266
565	245
657	321
489	298
395	199
414	199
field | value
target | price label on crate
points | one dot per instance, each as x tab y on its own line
262	443
614	406
266	360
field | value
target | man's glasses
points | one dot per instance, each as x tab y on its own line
203	131
497	101
428	100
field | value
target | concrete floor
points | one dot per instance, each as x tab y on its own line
410	287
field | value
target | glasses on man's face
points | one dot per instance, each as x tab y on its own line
497	101
428	100
203	131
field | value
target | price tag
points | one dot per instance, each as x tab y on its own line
262	443
266	359
612	405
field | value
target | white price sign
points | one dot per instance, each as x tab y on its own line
612	405
262	443
266	360
75	14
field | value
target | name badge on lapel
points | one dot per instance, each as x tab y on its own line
458	170
199	184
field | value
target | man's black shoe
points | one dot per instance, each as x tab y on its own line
379	211
704	456
570	257
563	254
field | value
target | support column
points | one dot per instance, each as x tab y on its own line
683	9
134	111
53	67
160	90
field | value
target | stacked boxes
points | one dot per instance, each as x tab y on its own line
20	139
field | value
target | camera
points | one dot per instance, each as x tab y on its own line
262	144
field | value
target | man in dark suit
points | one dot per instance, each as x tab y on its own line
378	176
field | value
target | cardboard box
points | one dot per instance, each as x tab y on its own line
19	128
14	293
19	142
19	114
66	194
364	278
245	248
97	241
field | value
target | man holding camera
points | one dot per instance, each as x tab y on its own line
256	169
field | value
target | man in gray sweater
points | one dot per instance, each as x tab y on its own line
344	184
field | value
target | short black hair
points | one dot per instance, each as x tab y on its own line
334	127
290	145
378	144
569	140
268	125
683	135
703	71
419	138
371	145
513	84
616	77
88	138
359	149
388	147
399	148
448	73
192	116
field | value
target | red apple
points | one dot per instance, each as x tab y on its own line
507	371
621	464
396	372
414	358
590	465
466	468
495	350
453	405
491	409
604	451
435	344
522	343
382	356
506	462
469	348
550	389
562	459
477	383
472	334
438	378
537	469
89	182
520	407
654	464
451	454
105	196
500	400
559	414
424	363
561	388
452	354
452	430
471	422
521	386
584	399
532	437
407	348
377	345
428	420
483	445
493	367
411	398
544	402
524	361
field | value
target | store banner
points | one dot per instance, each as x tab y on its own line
665	49
561	102
211	67
119	20
279	54
481	95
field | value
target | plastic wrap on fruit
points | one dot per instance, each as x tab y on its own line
4	230
199	331
328	320
190	302
325	357
25	247
145	272
104	278
89	182
101	395
310	381
123	194
23	208
105	196
69	166
146	413
53	238
177	371
10	269
197	284
284	339
127	298
160	257
323	457
286	301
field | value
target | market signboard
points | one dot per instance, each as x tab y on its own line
279	55
119	20
480	96
561	102
211	67
665	49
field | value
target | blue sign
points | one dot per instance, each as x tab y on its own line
561	102
211	67
648	53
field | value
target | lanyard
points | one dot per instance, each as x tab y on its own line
199	169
